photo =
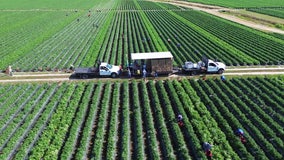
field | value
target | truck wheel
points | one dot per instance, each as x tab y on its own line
85	76
113	75
220	71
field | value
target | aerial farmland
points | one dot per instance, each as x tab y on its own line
46	114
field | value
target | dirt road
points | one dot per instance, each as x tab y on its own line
215	10
59	77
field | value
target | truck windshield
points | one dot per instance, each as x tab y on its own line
109	66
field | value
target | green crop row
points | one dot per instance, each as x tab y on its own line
137	120
47	5
272	12
243	3
20	38
89	112
187	41
263	48
244	118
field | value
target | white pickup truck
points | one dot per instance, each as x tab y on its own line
103	70
204	66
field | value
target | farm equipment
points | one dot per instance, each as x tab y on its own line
204	66
103	70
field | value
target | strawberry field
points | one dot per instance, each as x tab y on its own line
121	119
53	39
137	120
276	12
243	3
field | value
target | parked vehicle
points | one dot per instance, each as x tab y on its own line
153	63
103	70
204	66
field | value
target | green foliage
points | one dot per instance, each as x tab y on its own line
46	4
263	48
243	3
276	12
23	31
105	120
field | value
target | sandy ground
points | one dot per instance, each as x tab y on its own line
59	77
215	10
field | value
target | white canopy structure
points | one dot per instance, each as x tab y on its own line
159	62
151	55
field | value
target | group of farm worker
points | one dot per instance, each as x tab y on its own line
137	70
207	146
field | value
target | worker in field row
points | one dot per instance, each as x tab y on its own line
207	149
9	71
206	146
144	73
180	120
203	77
71	67
144	66
240	133
155	74
243	139
129	73
223	78
95	25
209	154
120	69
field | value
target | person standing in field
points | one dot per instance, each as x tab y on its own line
156	74
9	71
208	154
129	73
223	78
180	120
144	74
207	149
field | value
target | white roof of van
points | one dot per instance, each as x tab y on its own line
151	55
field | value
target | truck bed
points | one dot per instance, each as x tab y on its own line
89	70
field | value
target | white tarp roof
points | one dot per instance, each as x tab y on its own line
151	55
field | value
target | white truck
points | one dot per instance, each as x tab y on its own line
204	66
103	70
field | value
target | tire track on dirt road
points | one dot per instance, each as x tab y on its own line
60	77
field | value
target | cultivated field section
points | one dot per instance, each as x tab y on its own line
243	3
171	116
138	120
46	39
